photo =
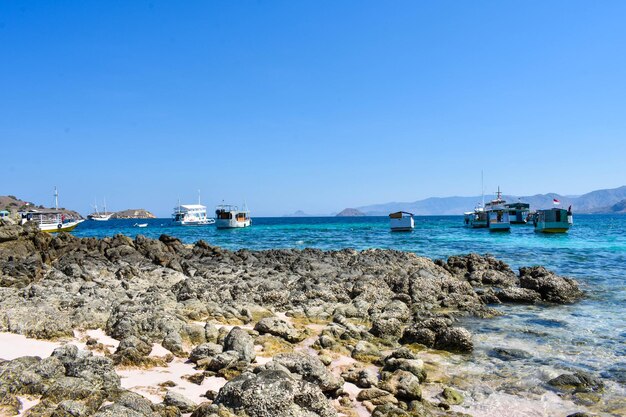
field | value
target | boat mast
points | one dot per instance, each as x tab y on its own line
56	198
199	197
105	206
482	186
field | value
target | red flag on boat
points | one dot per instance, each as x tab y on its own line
555	201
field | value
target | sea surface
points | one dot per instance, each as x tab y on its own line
589	335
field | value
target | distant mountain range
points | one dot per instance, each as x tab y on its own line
600	201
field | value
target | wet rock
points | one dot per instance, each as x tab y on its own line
454	339
403	385
184	404
577	382
551	287
509	354
414	366
274	393
451	396
420	335
280	328
238	340
517	295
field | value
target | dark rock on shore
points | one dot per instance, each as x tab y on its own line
577	382
274	393
549	286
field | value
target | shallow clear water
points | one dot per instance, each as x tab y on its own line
588	335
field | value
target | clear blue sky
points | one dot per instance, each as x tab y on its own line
312	105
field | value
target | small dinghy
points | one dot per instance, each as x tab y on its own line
141	225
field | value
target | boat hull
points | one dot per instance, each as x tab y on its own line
551	227
231	223
499	228
402	224
195	223
54	228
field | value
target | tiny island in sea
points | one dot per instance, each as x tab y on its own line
125	314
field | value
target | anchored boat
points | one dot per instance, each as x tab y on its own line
230	217
101	217
51	220
554	220
191	214
401	221
518	212
476	219
497	214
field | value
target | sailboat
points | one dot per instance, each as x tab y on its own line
101	217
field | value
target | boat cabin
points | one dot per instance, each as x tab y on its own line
554	220
518	212
191	214
4	214
401	221
476	219
229	217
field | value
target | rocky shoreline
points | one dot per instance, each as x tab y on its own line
260	333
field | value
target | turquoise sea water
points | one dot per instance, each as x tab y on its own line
588	335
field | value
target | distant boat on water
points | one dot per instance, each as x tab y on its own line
191	214
51	220
230	217
497	214
141	225
518	212
554	220
476	219
401	221
100	217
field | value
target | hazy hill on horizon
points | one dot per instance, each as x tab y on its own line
599	201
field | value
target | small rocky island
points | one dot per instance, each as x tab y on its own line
142	327
133	214
350	212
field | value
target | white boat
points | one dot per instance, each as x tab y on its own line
476	219
498	214
100	217
141	225
401	221
51	220
555	220
230	217
191	214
